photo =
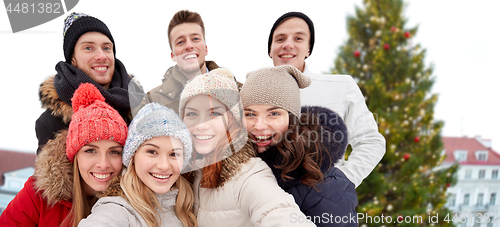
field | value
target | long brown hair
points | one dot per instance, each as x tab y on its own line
144	200
211	174
81	204
301	147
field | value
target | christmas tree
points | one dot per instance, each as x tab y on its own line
408	187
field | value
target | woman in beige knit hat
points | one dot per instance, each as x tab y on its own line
300	145
229	182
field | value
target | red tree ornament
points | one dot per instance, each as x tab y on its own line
386	46
448	185
407	35
400	218
406	157
416	139
393	29
357	53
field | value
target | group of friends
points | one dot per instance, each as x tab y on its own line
201	149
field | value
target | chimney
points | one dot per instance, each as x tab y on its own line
484	142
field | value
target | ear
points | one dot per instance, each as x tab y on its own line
73	61
172	56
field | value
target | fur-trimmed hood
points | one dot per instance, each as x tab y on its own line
334	138
54	172
50	100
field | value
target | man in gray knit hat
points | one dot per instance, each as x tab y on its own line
291	41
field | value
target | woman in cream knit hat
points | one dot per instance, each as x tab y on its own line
233	187
300	145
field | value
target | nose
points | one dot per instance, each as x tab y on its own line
189	45
163	163
100	56
289	44
260	124
202	125
104	161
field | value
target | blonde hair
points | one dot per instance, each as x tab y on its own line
144	200
81	205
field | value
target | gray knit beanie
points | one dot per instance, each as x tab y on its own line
155	120
277	86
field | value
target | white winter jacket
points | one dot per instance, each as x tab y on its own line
341	94
251	197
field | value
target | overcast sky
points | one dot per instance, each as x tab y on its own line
461	39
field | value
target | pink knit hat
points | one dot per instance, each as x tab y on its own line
93	120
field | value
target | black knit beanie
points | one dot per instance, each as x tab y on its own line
288	15
77	24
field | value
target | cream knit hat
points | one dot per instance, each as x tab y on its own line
277	86
218	83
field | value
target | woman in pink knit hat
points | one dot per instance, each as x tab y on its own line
73	167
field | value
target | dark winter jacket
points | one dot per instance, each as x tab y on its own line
333	201
169	92
46	197
56	92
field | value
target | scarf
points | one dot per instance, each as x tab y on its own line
69	78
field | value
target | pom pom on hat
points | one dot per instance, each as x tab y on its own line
85	95
92	120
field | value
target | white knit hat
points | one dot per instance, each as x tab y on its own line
155	120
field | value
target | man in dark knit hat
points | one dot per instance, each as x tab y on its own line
186	37
291	41
90	57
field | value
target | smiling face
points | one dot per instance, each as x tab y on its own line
94	56
158	163
290	44
98	163
206	118
266	124
189	49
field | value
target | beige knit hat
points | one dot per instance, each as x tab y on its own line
218	83
277	86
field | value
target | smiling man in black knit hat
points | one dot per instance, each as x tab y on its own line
291	41
90	57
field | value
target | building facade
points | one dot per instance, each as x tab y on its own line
474	200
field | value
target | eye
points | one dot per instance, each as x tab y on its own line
107	48
151	152
87	48
215	114
275	114
90	151
249	114
179	43
116	152
176	154
191	114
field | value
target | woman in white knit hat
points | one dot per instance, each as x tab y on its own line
300	145
151	191
231	186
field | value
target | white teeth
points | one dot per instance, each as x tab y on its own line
190	56
101	176
100	68
204	137
287	56
161	176
262	137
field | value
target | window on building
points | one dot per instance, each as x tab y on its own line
481	174
466	199
480	199
493	199
451	200
494	174
468	174
460	155
482	155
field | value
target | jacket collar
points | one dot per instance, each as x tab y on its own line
54	172
50	100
